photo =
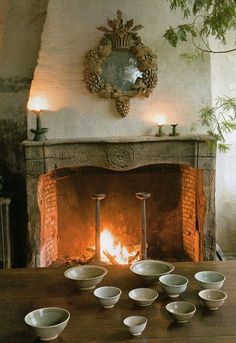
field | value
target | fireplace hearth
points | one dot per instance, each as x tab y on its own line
63	176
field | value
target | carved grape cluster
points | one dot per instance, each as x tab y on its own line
149	77
123	106
94	83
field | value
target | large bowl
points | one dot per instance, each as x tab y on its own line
87	276
181	311
47	323
143	296
208	279
150	270
173	284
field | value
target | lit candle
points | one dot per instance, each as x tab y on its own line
174	132
161	121
36	105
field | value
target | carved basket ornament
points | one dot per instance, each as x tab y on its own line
121	67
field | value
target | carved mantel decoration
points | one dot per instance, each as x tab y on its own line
121	67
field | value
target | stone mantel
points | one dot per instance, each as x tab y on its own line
118	153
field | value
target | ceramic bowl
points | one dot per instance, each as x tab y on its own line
212	298
210	279
181	311
143	296
107	296
150	270
47	323
173	284
87	276
135	324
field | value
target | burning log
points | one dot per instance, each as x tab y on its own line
110	257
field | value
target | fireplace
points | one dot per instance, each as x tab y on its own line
62	177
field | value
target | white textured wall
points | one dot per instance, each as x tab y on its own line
71	30
224	83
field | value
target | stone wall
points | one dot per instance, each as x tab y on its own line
21	24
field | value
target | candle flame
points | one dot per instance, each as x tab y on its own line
160	119
37	104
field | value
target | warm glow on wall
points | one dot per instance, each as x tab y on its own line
37	104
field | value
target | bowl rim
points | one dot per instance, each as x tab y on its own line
170	284
143	299
181	313
170	265
113	297
196	276
47	326
200	293
105	271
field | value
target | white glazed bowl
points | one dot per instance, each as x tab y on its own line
47	323
212	298
107	296
181	311
87	276
143	296
150	270
136	324
210	279
173	284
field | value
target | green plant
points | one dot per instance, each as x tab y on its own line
208	18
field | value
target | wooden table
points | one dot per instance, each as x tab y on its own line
23	290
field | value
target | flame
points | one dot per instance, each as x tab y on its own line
111	246
37	104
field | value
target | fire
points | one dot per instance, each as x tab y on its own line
113	252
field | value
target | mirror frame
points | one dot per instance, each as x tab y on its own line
122	37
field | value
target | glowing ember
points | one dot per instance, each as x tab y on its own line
113	252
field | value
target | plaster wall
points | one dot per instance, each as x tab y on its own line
224	84
21	24
70	31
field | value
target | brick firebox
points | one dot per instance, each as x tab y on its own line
48	160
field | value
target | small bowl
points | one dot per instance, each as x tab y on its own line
143	296
173	284
150	270
87	276
181	311
47	323
136	324
107	296
212	298
210	279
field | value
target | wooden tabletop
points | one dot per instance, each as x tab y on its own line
23	290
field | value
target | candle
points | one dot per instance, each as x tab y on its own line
37	105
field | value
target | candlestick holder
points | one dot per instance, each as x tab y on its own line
160	130
39	132
174	130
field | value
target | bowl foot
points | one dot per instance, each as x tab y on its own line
46	339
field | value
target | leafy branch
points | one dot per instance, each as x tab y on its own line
221	120
210	18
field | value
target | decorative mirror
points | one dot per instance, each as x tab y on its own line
121	66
